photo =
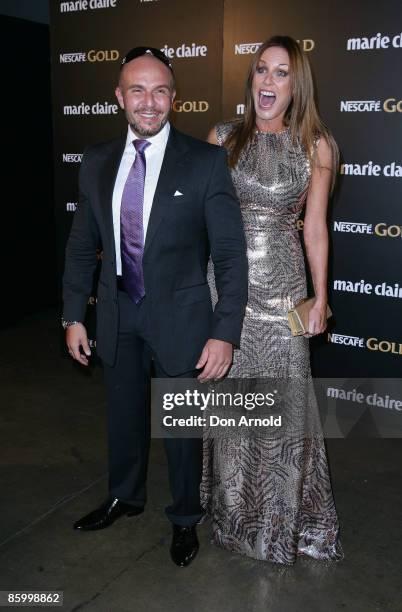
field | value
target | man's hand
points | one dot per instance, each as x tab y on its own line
76	336
216	358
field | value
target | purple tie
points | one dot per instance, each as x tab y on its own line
131	225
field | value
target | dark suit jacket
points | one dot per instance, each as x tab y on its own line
182	233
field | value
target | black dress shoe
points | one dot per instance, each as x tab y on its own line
104	516
184	545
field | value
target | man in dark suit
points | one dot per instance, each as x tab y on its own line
159	203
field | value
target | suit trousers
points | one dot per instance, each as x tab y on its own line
128	385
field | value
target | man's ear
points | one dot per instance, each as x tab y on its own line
119	96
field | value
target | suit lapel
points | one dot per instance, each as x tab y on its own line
176	147
107	180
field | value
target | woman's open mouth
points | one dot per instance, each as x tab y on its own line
266	99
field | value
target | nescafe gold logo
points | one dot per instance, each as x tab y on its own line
384	346
199	106
390	231
307	44
392	105
103	56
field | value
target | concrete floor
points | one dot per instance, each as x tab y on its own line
53	470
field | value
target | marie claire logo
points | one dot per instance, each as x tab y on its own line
199	106
184	50
392	170
380	229
109	55
379	41
85	5
71	206
72	158
99	108
390	105
307	44
374	399
372	344
362	286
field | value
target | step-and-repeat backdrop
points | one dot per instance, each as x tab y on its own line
356	53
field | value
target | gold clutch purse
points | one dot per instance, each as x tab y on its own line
298	316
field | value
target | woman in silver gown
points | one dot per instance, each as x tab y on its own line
271	498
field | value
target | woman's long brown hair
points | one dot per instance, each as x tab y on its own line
301	115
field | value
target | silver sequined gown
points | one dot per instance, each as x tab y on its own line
267	498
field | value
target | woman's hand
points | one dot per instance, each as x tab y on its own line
317	320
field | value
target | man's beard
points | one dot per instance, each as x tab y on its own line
151	131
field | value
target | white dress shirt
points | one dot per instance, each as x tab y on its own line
154	158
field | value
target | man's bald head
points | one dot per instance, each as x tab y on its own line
146	92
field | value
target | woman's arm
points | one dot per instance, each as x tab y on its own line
316	234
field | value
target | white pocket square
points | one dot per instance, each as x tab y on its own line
177	193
